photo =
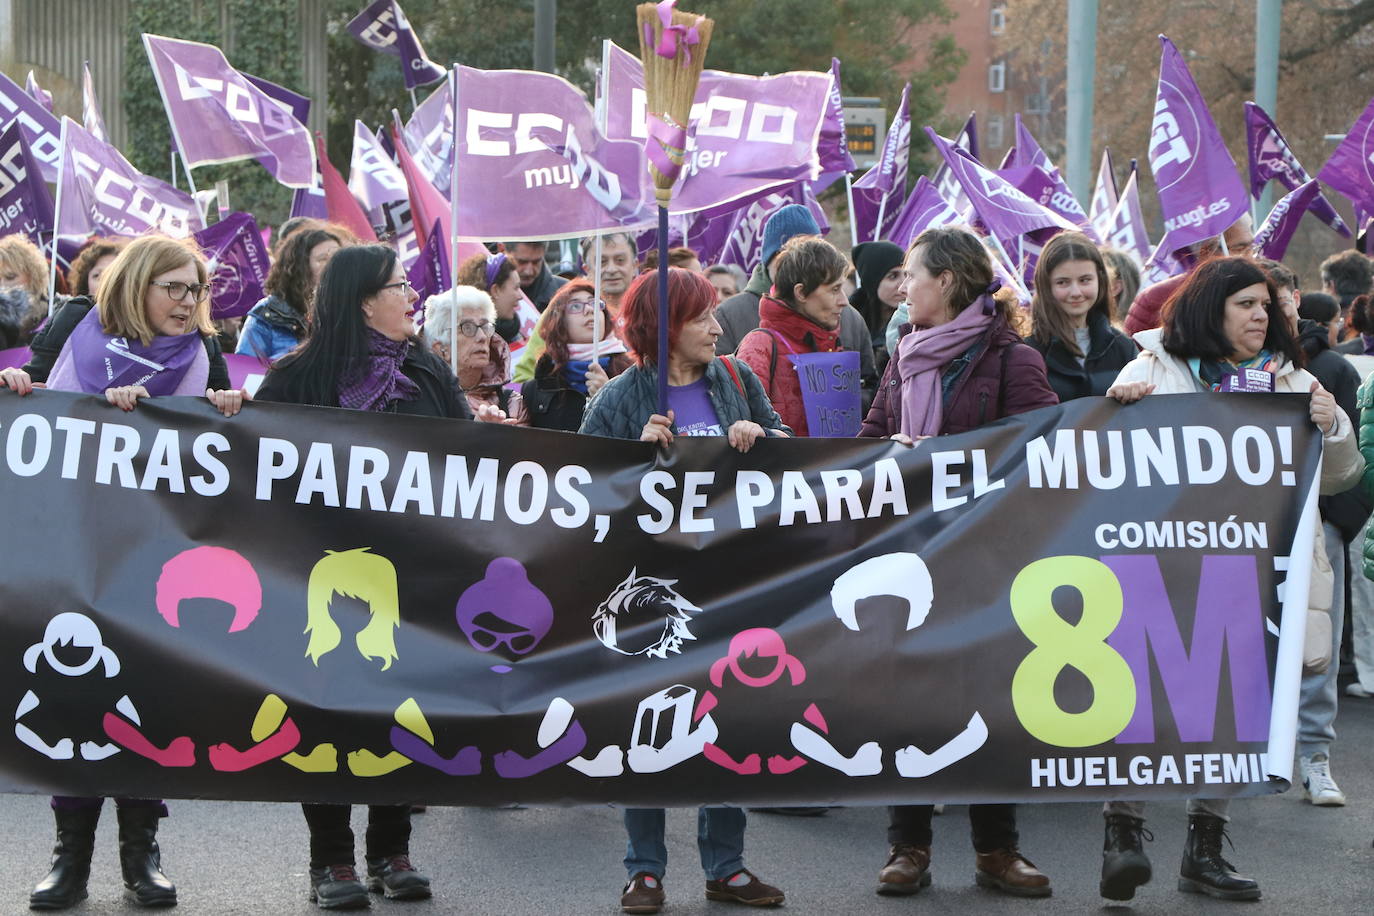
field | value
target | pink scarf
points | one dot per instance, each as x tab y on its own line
923	356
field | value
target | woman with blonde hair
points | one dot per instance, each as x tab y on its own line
23	289
149	334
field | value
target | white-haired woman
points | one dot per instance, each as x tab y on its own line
460	327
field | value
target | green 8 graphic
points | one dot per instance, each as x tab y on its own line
1060	645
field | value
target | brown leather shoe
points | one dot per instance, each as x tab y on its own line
907	870
1008	871
751	893
640	897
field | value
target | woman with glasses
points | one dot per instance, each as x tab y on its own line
495	275
149	334
278	323
567	375
460	328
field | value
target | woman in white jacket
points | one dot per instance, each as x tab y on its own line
1223	331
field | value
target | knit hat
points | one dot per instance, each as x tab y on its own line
793	219
873	260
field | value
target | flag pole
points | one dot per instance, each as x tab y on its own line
413	103
172	154
452	204
57	218
853	223
878	226
600	113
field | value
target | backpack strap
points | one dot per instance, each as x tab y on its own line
1002	383
734	374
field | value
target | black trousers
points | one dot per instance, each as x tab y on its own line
331	837
994	826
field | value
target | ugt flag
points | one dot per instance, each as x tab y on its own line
1350	169
217	115
1272	158
100	192
1200	192
384	27
878	195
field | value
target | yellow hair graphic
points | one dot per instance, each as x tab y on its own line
366	577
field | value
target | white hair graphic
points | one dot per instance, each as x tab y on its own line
643	595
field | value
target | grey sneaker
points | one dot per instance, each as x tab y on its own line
1317	783
1356	689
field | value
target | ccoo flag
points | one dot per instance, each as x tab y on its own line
1104	196
90	106
46	130
1350	170
37	92
1272	158
922	210
384	27
25	202
1200	192
217	115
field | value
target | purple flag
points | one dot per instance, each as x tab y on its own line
746	133
1272	239
1200	192
403	235
309	203
1126	227
945	182
46	130
237	258
1105	197
298	104
1006	211
429	136
373	178
90	106
1271	157
430	275
38	93
879	194
217	115
744	246
1055	193
384	27
25	202
1350	170
532	163
923	209
833	147
100	192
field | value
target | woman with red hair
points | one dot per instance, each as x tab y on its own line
567	375
706	396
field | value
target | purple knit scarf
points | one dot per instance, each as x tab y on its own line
379	381
922	357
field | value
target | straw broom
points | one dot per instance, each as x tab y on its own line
672	45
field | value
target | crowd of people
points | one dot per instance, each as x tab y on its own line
937	345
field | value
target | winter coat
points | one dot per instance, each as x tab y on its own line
440	395
1145	312
739	315
1365	400
47	344
625	403
1108	351
544	287
551	404
1348	511
1005	378
768	357
1342	463
271	330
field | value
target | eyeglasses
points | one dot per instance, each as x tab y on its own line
578	306
472	328
403	285
176	290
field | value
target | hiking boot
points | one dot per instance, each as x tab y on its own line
907	870
750	891
1008	871
1124	863
1317	784
1204	871
396	879
65	883
336	887
644	894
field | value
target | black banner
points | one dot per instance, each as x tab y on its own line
311	604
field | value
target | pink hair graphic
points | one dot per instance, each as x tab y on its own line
210	572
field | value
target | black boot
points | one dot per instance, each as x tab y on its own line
1124	863
65	884
1204	871
141	860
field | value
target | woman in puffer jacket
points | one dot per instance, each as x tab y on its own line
1224	318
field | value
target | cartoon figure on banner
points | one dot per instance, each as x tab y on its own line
506	614
224	575
648	606
899	575
69	634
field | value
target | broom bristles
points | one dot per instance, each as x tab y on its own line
670	84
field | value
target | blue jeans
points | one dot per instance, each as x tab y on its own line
720	839
1317	696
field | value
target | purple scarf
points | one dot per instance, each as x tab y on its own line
104	361
1368	342
379	380
922	357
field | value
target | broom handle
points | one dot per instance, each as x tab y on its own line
663	310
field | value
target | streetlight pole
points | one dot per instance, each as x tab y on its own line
1268	14
1082	69
544	13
